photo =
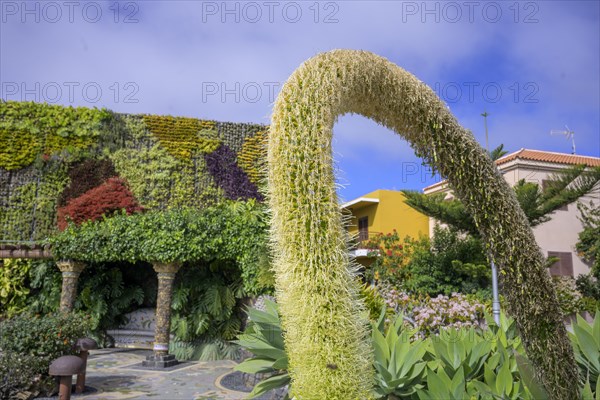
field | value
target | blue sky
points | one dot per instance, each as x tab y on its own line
534	66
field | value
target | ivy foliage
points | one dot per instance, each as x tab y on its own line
229	231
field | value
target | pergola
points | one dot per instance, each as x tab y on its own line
71	269
165	239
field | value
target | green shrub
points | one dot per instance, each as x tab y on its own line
589	284
13	286
569	297
29	343
449	263
18	379
231	231
588	245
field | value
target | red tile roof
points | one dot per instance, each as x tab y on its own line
550	157
543	156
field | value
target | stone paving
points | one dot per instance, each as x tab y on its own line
115	374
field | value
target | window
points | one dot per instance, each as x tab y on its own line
564	265
545	184
363	229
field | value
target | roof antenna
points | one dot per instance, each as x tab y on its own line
569	134
487	143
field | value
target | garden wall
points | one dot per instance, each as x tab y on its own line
52	155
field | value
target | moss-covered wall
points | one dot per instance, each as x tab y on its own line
162	158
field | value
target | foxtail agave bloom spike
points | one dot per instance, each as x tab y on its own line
321	313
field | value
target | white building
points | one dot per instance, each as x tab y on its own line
556	237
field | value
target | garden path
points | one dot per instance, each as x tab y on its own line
115	374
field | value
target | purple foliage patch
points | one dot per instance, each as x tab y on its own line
222	166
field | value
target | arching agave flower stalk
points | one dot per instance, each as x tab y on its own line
326	339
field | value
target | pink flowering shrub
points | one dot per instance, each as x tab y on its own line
398	301
455	311
430	315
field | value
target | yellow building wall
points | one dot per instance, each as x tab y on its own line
367	211
390	213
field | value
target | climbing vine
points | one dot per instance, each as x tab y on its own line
234	231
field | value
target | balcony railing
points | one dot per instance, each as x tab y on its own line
359	240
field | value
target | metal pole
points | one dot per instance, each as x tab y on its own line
495	297
487	145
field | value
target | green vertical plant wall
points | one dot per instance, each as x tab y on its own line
329	353
48	154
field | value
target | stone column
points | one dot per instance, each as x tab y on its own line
70	275
166	275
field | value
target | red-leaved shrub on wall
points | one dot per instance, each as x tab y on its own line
113	195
